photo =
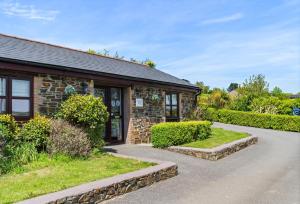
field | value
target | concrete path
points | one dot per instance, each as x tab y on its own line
268	172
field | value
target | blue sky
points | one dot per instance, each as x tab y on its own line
217	42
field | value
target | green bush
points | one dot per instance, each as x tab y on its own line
87	112
36	131
265	105
12	129
177	133
17	155
241	103
274	105
260	120
67	139
286	106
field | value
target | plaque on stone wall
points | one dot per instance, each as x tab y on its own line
139	102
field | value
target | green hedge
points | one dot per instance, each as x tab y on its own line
260	120
177	133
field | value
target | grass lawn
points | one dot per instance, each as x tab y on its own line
53	174
219	136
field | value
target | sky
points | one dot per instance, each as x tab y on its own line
217	42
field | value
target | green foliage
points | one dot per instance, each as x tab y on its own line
36	131
96	136
270	121
150	63
87	112
67	139
232	86
286	106
106	53
203	87
274	105
203	99
265	105
17	155
276	91
177	133
218	98
55	173
255	86
11	127
241	103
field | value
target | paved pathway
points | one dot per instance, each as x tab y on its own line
268	172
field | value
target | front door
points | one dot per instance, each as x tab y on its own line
112	98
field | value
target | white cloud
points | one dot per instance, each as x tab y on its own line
27	11
273	51
224	19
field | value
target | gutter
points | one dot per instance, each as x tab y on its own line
78	70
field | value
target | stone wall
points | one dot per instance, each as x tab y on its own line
49	91
142	118
101	190
187	104
216	153
153	111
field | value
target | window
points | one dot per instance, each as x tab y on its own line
172	109
16	97
3	95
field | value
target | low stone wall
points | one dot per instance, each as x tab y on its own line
217	152
98	191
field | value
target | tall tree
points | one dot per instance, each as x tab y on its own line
276	91
203	87
232	86
255	86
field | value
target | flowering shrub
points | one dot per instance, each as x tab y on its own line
87	112
36	131
67	139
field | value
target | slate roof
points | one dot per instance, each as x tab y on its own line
19	49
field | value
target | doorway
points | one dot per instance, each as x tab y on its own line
113	99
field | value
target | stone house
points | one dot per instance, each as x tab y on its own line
34	77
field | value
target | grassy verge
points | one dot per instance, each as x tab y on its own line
219	136
53	174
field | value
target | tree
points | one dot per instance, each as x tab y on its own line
255	86
106	53
232	86
201	85
149	63
218	98
91	51
276	91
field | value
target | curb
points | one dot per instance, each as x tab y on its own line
104	189
216	153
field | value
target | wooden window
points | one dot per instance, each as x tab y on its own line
16	97
172	107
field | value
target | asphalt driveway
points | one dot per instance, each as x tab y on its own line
268	172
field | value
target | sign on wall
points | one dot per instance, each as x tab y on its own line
139	102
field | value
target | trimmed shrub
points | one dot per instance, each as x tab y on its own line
67	139
87	112
260	120
177	133
36	131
